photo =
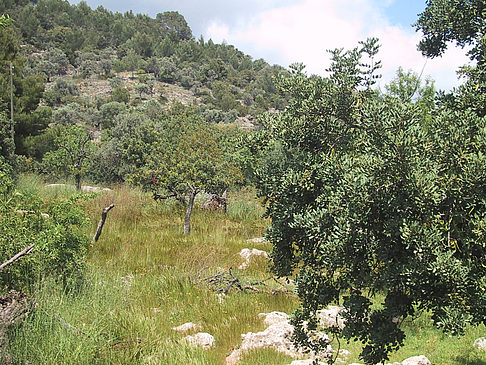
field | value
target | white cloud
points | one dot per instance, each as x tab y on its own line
303	32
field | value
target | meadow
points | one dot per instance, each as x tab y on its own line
142	280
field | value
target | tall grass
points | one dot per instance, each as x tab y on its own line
141	282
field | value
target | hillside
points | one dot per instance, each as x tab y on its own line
128	58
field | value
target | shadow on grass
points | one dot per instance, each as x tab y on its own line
465	361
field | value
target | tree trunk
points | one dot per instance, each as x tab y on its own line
187	221
77	180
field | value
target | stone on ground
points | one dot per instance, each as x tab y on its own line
256	240
480	344
201	339
189	326
247	254
417	360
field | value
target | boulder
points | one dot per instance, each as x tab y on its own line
247	254
417	360
189	326
201	339
85	188
59	186
480	344
274	317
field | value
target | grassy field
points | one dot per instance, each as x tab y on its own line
141	282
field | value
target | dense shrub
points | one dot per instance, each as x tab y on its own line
60	246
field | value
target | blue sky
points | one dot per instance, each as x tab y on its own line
287	31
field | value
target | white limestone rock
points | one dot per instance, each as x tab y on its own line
201	339
246	254
276	335
417	360
256	240
85	188
189	326
330	317
274	317
480	344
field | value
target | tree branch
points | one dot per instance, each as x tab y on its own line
24	252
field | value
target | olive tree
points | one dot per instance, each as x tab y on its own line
374	209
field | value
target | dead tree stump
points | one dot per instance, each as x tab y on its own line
216	203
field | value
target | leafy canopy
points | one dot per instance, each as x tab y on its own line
375	208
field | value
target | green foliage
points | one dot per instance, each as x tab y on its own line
109	112
68	114
172	21
51	63
409	88
184	149
367	199
120	95
72	147
59	245
443	22
27	90
61	91
453	21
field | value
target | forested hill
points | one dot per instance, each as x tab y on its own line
70	61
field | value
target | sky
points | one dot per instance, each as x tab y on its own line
288	31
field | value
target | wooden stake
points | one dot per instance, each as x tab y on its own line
101	223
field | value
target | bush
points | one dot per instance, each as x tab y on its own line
59	245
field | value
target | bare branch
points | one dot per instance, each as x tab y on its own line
193	189
24	252
173	194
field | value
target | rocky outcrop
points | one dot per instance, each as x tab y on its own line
85	188
256	240
216	202
276	335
